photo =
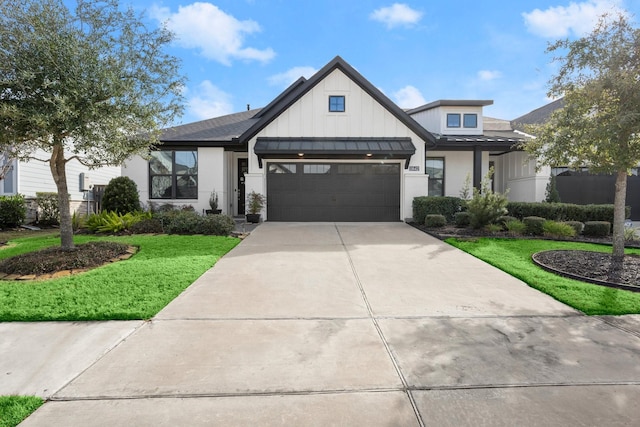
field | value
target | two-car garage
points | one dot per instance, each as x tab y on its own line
304	191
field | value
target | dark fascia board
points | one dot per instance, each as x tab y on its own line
292	94
292	87
452	103
444	145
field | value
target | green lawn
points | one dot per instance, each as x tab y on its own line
14	409
133	289
514	257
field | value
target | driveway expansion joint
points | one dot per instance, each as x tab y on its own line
386	345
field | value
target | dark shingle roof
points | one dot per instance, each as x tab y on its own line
217	129
539	115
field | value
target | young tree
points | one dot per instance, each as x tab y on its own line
91	84
599	127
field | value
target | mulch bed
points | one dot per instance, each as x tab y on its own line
594	267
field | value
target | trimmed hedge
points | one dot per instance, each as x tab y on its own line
462	219
435	220
440	205
597	228
563	211
534	225
576	225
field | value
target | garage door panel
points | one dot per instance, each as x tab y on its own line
334	192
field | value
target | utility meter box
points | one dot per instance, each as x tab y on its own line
85	182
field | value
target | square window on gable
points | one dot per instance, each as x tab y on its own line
470	121
336	104
453	120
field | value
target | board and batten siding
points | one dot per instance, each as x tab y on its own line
363	117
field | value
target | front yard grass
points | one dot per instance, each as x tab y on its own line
14	409
126	290
514	257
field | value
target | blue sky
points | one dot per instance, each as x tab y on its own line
239	52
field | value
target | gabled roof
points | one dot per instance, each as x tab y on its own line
539	115
301	87
221	130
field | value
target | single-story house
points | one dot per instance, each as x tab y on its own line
329	148
334	148
29	178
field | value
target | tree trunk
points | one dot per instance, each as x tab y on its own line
619	214
58	166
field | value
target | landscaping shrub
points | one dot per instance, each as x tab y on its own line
515	227
180	222
12	211
630	234
435	220
462	219
493	228
113	222
563	211
48	210
597	228
576	225
504	219
121	196
442	205
534	225
147	226
78	221
557	229
217	225
486	206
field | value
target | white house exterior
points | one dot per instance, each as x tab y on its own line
334	148
330	148
29	178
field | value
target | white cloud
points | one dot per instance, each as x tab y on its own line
291	75
217	35
398	14
488	75
409	97
560	21
208	101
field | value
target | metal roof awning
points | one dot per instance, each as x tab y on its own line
335	148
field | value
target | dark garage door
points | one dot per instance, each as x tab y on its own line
333	192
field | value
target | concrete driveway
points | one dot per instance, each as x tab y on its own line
347	325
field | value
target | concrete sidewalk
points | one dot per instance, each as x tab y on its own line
343	324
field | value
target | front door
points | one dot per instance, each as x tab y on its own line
243	168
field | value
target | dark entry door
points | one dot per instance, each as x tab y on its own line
243	168
348	192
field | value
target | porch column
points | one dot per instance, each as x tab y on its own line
477	166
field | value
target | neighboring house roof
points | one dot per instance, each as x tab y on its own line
451	103
301	87
224	129
539	115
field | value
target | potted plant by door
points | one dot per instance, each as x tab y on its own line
213	203
255	203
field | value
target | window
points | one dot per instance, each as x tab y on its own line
336	104
173	174
435	170
282	168
453	120
317	169
470	120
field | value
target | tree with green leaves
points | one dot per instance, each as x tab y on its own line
599	126
92	84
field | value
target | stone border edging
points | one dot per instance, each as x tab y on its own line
577	276
131	250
